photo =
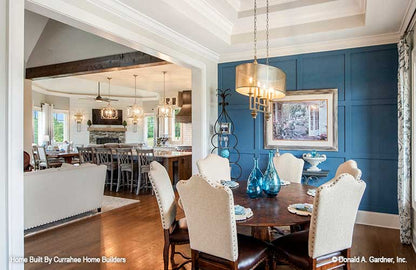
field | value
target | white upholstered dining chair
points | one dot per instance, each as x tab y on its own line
215	244
215	168
289	168
331	229
175	231
351	167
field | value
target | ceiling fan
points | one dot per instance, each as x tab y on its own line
99	98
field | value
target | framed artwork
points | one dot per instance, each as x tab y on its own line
304	120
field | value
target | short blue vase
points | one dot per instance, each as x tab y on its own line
255	181
271	181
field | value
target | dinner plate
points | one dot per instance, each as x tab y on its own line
245	214
301	209
230	184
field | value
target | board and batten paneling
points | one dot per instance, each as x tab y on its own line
366	79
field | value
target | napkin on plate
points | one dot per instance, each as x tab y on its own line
239	210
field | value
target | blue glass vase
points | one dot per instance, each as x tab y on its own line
271	181
255	180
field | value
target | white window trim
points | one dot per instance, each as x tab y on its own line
145	116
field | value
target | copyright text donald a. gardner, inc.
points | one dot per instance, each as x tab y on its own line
370	259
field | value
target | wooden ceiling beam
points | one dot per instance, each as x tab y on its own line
94	65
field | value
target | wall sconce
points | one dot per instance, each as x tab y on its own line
78	117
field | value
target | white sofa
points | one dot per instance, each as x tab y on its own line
55	194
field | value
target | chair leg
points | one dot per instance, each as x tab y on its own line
195	256
166	254
139	182
172	255
118	180
131	182
111	179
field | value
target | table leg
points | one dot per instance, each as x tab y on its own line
262	233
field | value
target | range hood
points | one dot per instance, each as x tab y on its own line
185	103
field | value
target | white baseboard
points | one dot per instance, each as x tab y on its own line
378	219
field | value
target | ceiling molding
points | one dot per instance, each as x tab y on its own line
45	91
330	45
219	24
236	4
408	19
137	18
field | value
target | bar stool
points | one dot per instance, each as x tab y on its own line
104	156
125	168
86	155
144	158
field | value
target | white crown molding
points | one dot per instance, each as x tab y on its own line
223	26
407	18
378	219
330	45
236	4
137	18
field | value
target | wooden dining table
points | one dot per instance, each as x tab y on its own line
67	156
272	212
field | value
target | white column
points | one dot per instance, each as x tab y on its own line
11	131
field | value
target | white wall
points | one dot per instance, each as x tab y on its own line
86	106
34	25
77	45
59	102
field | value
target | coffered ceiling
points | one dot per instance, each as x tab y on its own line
225	27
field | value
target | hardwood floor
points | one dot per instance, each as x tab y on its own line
134	232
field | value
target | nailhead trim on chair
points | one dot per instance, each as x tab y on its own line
311	243
231	205
159	203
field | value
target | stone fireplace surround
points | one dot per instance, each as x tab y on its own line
116	134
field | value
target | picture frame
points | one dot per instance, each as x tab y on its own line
304	120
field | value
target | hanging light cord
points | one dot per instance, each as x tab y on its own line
267	32
164	87
135	87
255	31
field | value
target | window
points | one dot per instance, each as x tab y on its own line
35	122
177	127
149	130
60	126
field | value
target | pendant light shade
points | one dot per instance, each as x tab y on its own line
109	112
267	81
134	111
261	83
164	110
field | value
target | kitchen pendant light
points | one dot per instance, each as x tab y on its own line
109	112
164	110
135	112
262	83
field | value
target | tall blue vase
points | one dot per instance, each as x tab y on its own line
271	181
255	181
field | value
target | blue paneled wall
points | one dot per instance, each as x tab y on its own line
366	79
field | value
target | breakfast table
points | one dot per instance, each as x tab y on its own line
272	212
67	156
